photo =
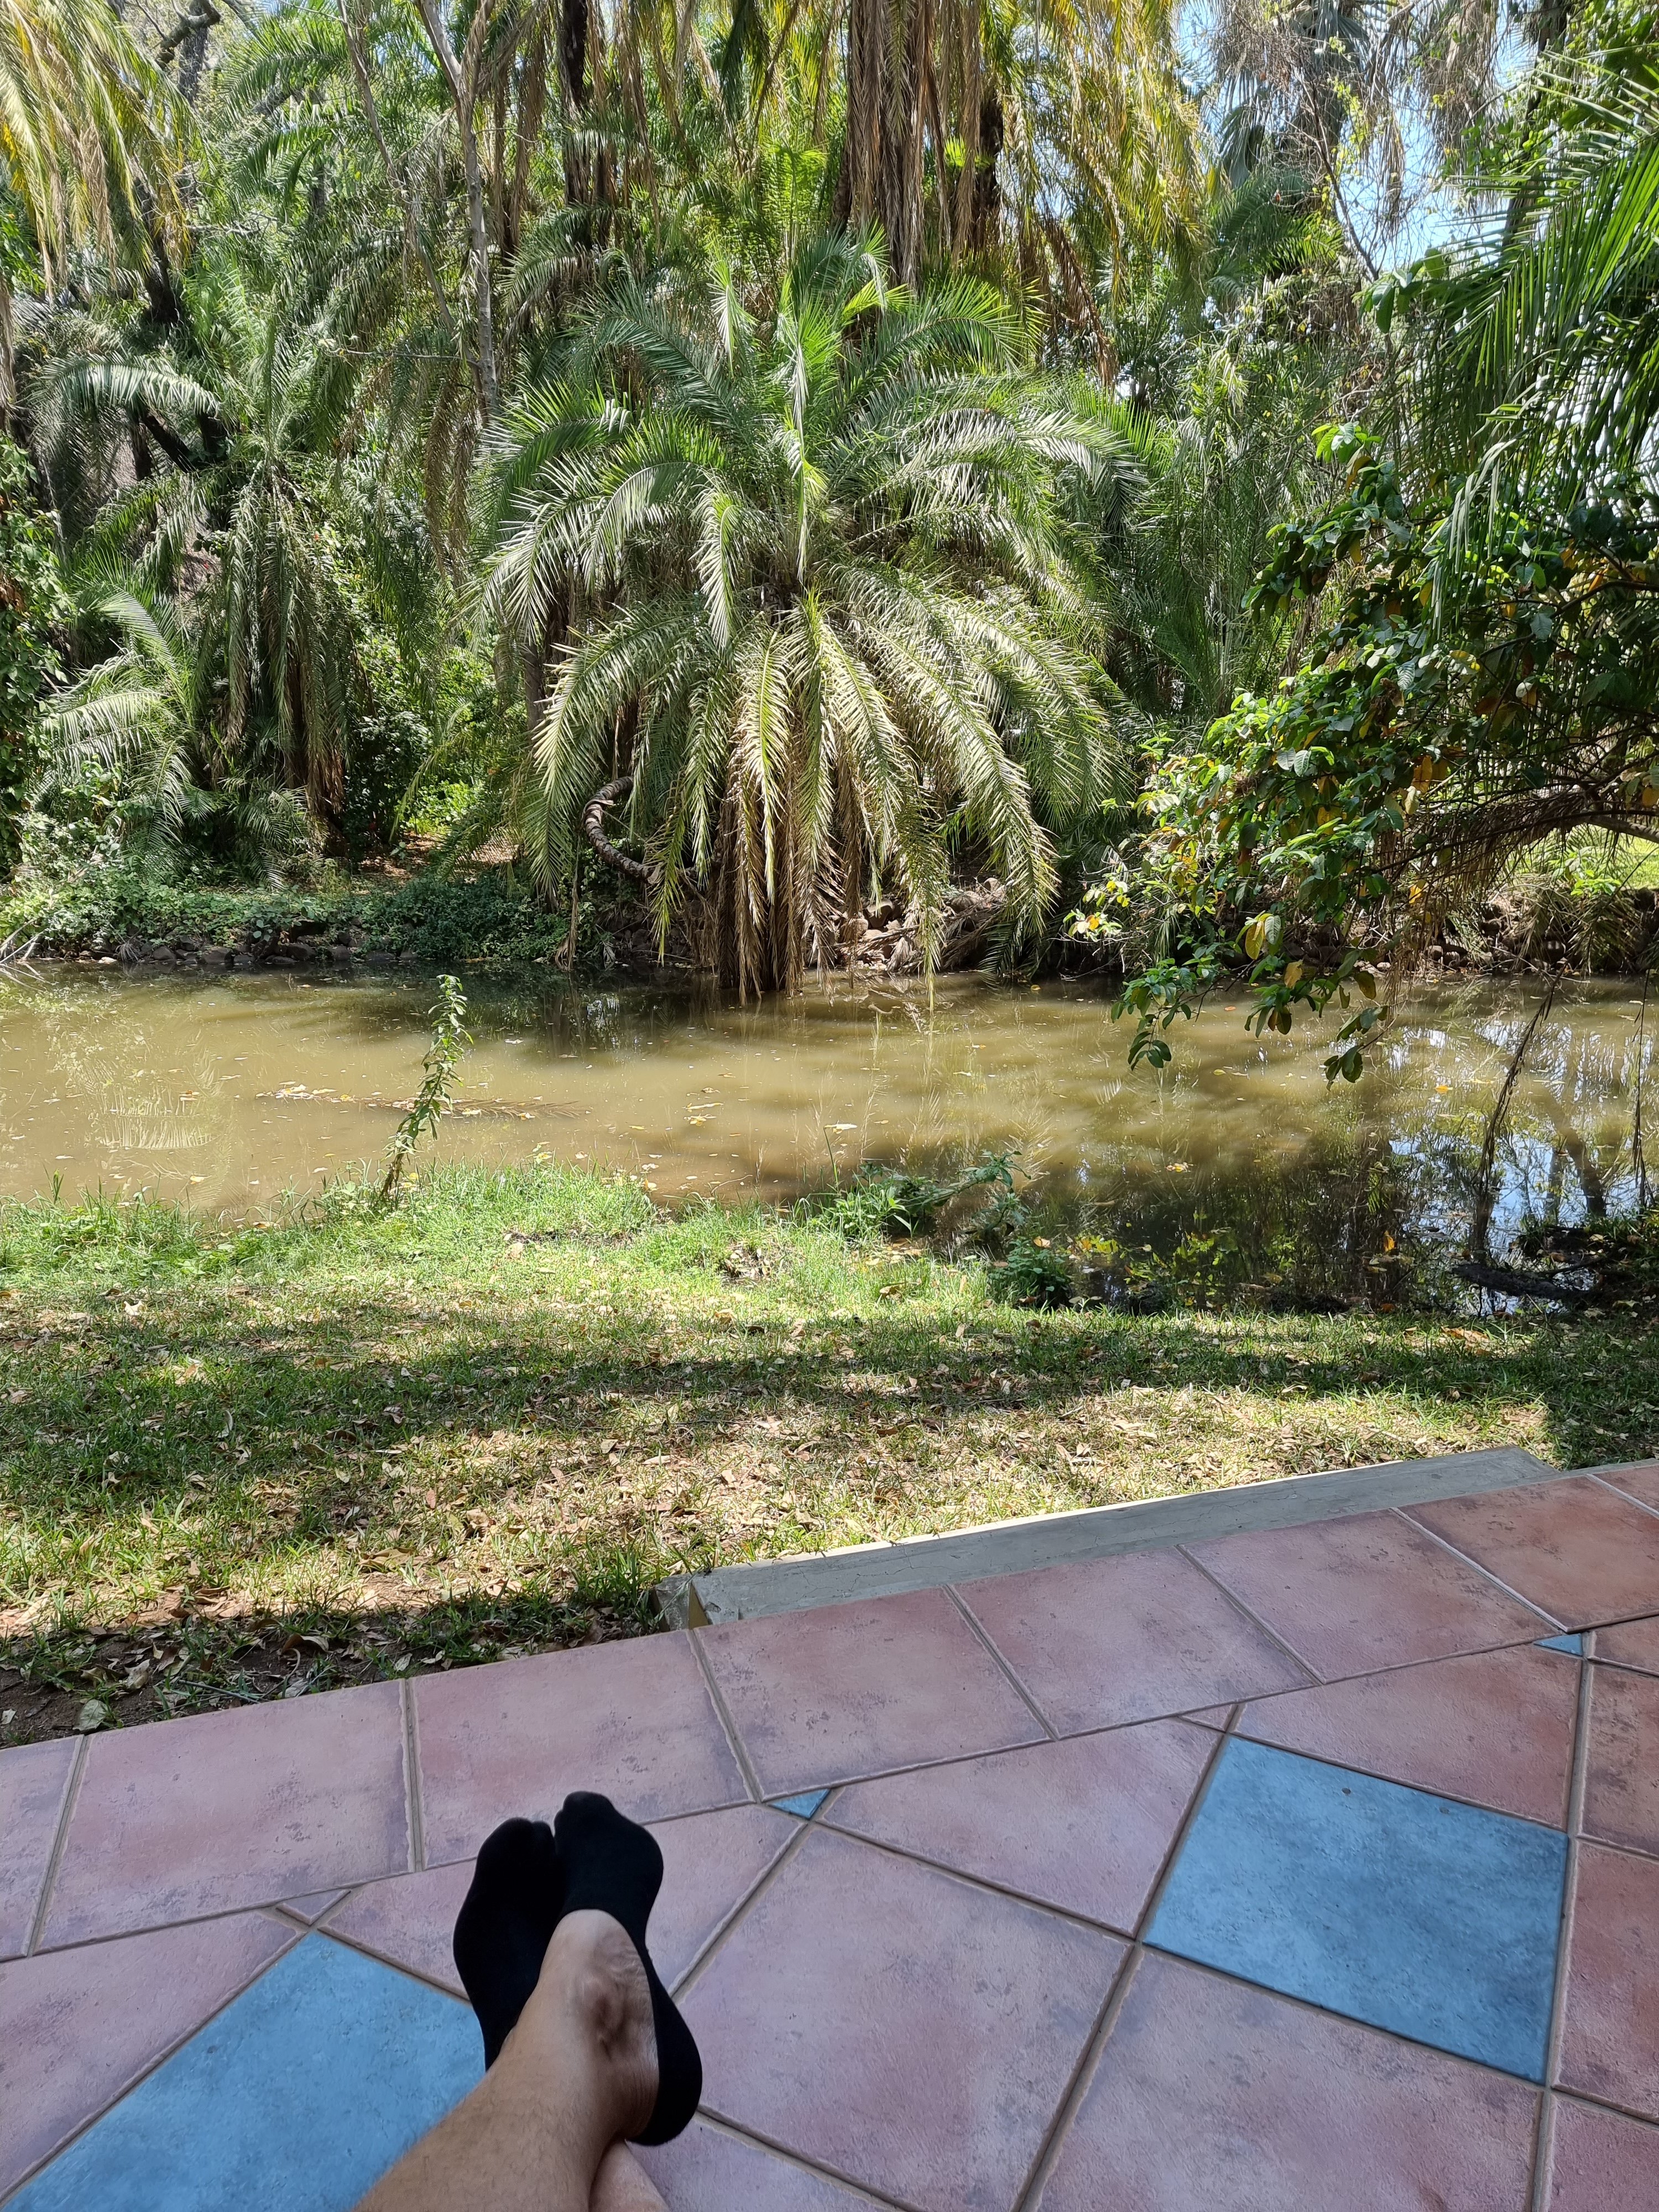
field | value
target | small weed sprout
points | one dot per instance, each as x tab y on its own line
451	1042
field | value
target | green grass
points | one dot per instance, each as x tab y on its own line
239	1459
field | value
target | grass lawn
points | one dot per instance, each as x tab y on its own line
250	1460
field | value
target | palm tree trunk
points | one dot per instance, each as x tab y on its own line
463	89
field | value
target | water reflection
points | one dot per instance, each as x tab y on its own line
1235	1166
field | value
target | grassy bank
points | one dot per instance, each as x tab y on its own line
244	1461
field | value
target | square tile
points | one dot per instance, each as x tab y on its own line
1132	1638
708	2169
1371	1591
1579	1550
898	2026
1434	1920
1084	1824
1638	1478
1610	2018
1621	1773
77	2027
1210	2097
632	1719
1495	1726
849	1690
301	2094
1630	1644
222	1810
1601	2161
410	1921
33	1780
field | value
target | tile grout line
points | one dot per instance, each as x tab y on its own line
1087	2069
1467	1560
980	1882
59	1845
1628	1496
694	1972
734	1741
414	1815
722	2125
1545	2145
151	2066
1015	1684
1315	1679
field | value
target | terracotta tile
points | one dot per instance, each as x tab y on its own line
33	1780
1602	2162
848	1690
222	1810
313	1908
409	1920
710	1863
706	2170
1575	1548
1630	1644
77	2027
1372	1591
1640	1479
1610	2021
1211	2095
1084	1824
896	2026
1126	1639
633	1719
1621	1776
1495	1728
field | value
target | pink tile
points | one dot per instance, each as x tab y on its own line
222	1810
410	1920
1630	1644
1213	2097
1621	1777
633	1719
1371	1591
1085	1823
709	2169
1602	2162
77	2027
1496	1728
710	1863
898	2026
1126	1639
848	1690
1575	1548
313	1908
1640	1479
34	1778
1610	2021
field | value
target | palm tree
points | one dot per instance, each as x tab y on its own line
802	575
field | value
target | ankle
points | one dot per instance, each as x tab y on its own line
589	2019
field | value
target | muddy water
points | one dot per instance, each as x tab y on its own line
231	1089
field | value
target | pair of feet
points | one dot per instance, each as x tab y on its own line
529	1878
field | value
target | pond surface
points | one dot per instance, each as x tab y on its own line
233	1088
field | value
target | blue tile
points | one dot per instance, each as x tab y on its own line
1573	1643
1434	1920
802	1807
296	2099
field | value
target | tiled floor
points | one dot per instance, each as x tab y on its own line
1300	1869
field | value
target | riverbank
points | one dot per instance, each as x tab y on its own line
242	1462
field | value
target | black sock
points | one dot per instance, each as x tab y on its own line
612	1865
505	1924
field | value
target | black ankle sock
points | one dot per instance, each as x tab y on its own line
612	1865
505	1923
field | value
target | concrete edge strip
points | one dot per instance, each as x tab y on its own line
1095	1532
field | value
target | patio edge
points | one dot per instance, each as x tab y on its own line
1095	1532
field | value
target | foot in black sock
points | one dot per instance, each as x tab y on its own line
505	1925
612	1865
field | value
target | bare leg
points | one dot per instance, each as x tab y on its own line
577	2074
622	2185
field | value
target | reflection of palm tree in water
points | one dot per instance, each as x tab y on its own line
92	1043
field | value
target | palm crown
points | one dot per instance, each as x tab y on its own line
806	576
